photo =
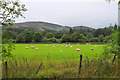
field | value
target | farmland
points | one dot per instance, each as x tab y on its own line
59	53
62	61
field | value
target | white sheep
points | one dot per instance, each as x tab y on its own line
36	48
53	46
32	47
26	47
70	46
77	49
8	48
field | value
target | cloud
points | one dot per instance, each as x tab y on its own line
63	0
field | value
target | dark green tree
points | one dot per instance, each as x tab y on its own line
89	37
53	39
101	38
8	34
71	31
65	38
115	26
28	37
77	37
49	35
37	37
20	38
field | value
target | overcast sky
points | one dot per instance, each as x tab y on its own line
91	13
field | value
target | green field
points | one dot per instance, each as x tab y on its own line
59	53
59	62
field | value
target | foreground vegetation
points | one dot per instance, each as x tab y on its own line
90	69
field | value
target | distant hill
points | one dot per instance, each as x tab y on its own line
40	26
82	27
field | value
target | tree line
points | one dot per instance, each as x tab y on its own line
19	35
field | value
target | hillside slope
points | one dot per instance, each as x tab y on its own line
41	26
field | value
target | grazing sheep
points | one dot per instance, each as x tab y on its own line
32	47
53	46
36	48
66	46
91	48
70	46
26	47
8	48
77	49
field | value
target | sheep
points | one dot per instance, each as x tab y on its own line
91	48
66	46
53	46
26	47
36	48
77	49
8	48
32	47
70	46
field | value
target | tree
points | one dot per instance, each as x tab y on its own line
37	37
95	39
58	35
77	37
28	37
8	34
89	37
53	39
101	38
20	38
9	11
107	38
65	38
70	31
115	26
49	35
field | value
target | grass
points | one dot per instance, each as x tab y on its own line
60	62
59	53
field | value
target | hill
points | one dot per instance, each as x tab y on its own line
82	27
40	26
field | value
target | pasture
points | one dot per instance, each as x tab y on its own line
59	61
57	52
